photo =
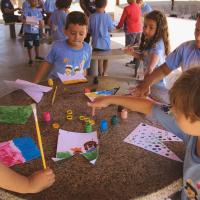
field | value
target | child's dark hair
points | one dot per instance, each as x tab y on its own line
76	17
60	4
185	94
100	3
161	32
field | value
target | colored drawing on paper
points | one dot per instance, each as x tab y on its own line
151	139
15	114
93	95
17	151
72	143
70	79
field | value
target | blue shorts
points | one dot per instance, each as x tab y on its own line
31	39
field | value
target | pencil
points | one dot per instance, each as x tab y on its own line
54	95
39	135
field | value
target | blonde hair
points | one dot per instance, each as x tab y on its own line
185	94
131	1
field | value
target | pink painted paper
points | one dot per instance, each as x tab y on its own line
10	154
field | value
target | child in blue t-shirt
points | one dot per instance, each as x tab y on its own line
33	20
70	55
183	121
100	24
154	44
58	19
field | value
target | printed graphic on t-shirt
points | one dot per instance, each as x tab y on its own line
190	190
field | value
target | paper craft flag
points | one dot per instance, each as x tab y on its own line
70	79
32	20
71	143
151	139
93	95
17	151
15	114
35	91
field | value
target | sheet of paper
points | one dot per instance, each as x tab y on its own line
18	151
71	143
32	20
151	139
35	91
93	95
68	79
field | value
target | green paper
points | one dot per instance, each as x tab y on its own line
15	114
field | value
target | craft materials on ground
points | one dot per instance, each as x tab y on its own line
151	139
17	151
93	95
39	135
70	79
35	91
72	143
15	114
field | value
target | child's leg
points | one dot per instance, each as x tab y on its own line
105	67
36	43
30	55
100	67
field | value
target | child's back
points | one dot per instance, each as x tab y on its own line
57	21
100	24
132	15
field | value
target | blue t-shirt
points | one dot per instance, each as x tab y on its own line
100	24
159	49
26	5
62	56
186	56
57	20
32	12
146	8
191	168
50	6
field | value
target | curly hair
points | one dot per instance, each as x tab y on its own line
161	32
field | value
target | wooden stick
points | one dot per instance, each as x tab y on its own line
39	135
54	95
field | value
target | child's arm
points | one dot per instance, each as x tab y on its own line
10	180
131	51
154	58
44	67
135	104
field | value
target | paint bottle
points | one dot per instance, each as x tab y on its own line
114	120
46	116
124	114
103	126
88	128
87	90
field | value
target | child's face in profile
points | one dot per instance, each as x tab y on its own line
149	28
185	124
197	33
76	34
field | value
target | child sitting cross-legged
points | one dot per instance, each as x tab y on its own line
183	121
71	53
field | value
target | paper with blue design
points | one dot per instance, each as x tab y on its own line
151	139
35	91
18	151
93	95
72	143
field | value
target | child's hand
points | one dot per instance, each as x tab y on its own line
99	102
129	50
41	180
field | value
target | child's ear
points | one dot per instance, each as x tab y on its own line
65	32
